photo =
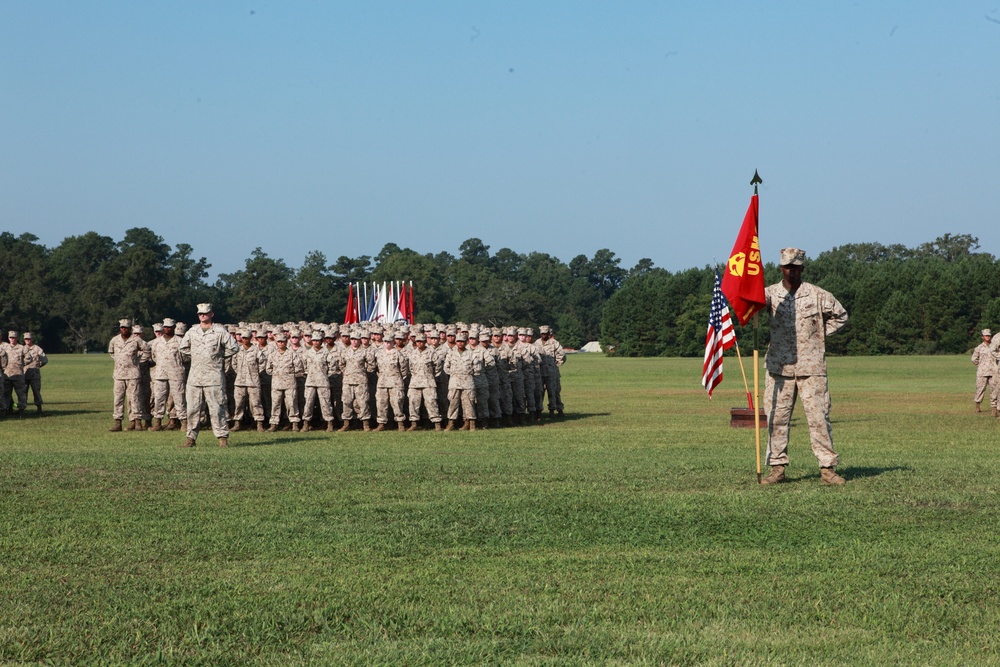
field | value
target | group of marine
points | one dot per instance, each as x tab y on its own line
364	375
22	370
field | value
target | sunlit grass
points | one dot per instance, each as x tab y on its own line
633	531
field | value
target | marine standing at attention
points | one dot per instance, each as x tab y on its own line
802	316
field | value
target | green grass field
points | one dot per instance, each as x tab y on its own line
632	532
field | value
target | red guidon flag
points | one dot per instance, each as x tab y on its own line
743	280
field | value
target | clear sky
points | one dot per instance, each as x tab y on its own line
559	127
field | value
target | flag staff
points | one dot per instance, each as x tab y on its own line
755	181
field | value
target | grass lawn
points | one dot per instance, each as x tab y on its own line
632	532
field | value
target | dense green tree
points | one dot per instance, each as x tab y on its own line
260	291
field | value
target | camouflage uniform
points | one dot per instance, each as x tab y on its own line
19	358
320	366
145	381
986	374
425	368
33	372
461	367
796	365
515	373
492	355
127	353
285	368
552	357
247	364
393	372
503	352
485	365
357	364
169	376
440	354
207	350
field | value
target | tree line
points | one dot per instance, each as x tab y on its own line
932	299
926	300
72	295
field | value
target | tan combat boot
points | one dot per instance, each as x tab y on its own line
131	424
400	426
978	409
306	427
329	426
117	426
236	426
260	427
365	425
472	424
272	428
223	442
380	427
188	443
450	426
437	426
184	425
157	425
776	475
295	427
413	426
346	426
829	476
996	413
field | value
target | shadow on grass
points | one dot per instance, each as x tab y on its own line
573	416
860	472
47	412
853	472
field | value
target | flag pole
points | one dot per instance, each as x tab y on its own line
756	364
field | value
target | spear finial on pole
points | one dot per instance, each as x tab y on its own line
755	181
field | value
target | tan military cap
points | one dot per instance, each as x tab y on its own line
529	332
281	337
422	337
356	335
986	332
28	336
125	322
461	336
433	333
204	308
243	333
401	335
316	335
792	257
11	334
181	328
167	322
485	336
137	328
545	328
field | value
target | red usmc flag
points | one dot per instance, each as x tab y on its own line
743	280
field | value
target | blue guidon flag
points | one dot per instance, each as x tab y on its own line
719	338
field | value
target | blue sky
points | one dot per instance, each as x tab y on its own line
556	127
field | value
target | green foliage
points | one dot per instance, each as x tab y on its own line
930	299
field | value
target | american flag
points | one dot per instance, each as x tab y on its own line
720	337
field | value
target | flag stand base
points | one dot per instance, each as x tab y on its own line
743	418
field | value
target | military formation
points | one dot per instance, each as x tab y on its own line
22	370
306	375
